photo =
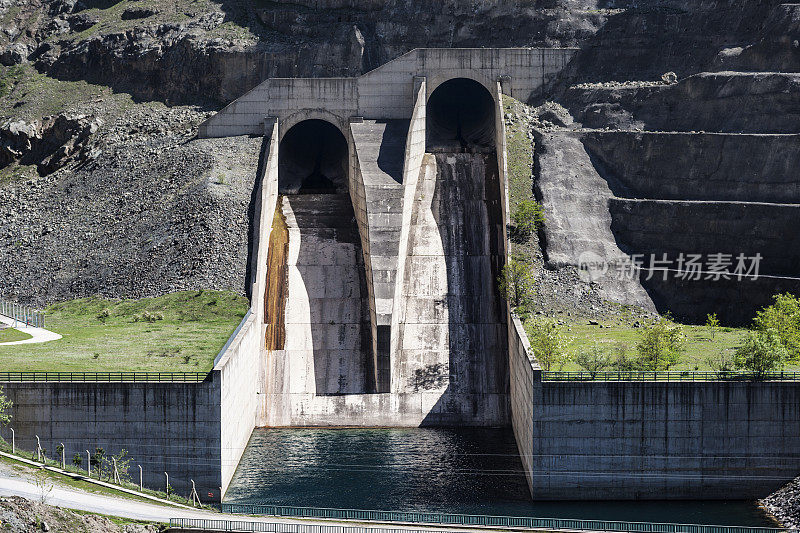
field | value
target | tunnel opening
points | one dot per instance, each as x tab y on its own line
312	159
460	118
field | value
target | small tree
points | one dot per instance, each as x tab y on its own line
623	361
528	217
712	325
548	343
123	465
783	317
44	484
722	363
98	460
760	353
5	408
516	284
77	460
660	345
594	360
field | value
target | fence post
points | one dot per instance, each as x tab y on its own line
167	484
89	464
141	483
38	449
63	457
13	441
116	473
195	497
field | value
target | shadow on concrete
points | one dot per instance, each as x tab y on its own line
392	152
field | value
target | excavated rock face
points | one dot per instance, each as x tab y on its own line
151	55
48	143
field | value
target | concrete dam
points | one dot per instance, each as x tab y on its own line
379	230
405	325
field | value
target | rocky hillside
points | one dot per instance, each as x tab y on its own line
102	181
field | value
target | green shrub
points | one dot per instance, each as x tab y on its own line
103	315
721	364
548	343
660	345
5	408
516	285
594	360
783	318
761	352
623	361
528	217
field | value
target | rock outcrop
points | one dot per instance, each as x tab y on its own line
48	143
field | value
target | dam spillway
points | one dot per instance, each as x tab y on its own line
452	319
389	314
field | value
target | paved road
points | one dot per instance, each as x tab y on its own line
96	503
37	334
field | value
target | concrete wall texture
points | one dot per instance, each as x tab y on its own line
651	440
387	92
660	440
165	427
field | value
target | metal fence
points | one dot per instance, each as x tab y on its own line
106	377
483	520
22	313
669	376
274	527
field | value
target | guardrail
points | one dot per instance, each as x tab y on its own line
484	520
105	377
203	524
668	376
22	313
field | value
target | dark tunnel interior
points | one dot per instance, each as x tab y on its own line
312	159
460	118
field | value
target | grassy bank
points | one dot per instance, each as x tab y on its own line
180	332
13	335
611	336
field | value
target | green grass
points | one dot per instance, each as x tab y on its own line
13	335
26	93
520	155
68	481
699	346
195	326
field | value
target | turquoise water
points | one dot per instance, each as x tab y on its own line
472	471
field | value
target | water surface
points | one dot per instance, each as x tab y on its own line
472	471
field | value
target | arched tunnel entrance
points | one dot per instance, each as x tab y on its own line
460	118
317	307
312	159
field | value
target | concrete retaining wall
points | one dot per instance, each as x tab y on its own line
651	440
165	427
646	440
524	372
